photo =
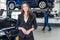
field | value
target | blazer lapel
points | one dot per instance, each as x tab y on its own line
28	20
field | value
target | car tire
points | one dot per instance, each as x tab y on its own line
11	6
42	4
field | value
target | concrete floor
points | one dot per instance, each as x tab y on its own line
46	35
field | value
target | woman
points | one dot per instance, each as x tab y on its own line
26	23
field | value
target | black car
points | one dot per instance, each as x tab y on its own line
7	27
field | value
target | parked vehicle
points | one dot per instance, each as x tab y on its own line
7	26
12	4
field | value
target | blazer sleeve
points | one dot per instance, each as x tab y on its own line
34	23
17	23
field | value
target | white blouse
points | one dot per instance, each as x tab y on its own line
25	20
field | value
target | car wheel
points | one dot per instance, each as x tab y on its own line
11	6
42	4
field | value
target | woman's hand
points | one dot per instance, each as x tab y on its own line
23	29
29	31
19	28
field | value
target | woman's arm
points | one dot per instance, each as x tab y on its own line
34	23
29	31
22	29
17	23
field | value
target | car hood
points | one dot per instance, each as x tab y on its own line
7	24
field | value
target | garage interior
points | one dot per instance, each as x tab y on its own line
54	21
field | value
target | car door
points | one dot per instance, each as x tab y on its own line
19	2
31	2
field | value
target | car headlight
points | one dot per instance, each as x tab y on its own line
2	33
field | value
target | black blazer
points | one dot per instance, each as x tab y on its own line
27	25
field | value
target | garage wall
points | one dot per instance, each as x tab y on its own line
3	4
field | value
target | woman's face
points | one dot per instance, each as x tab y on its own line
25	7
